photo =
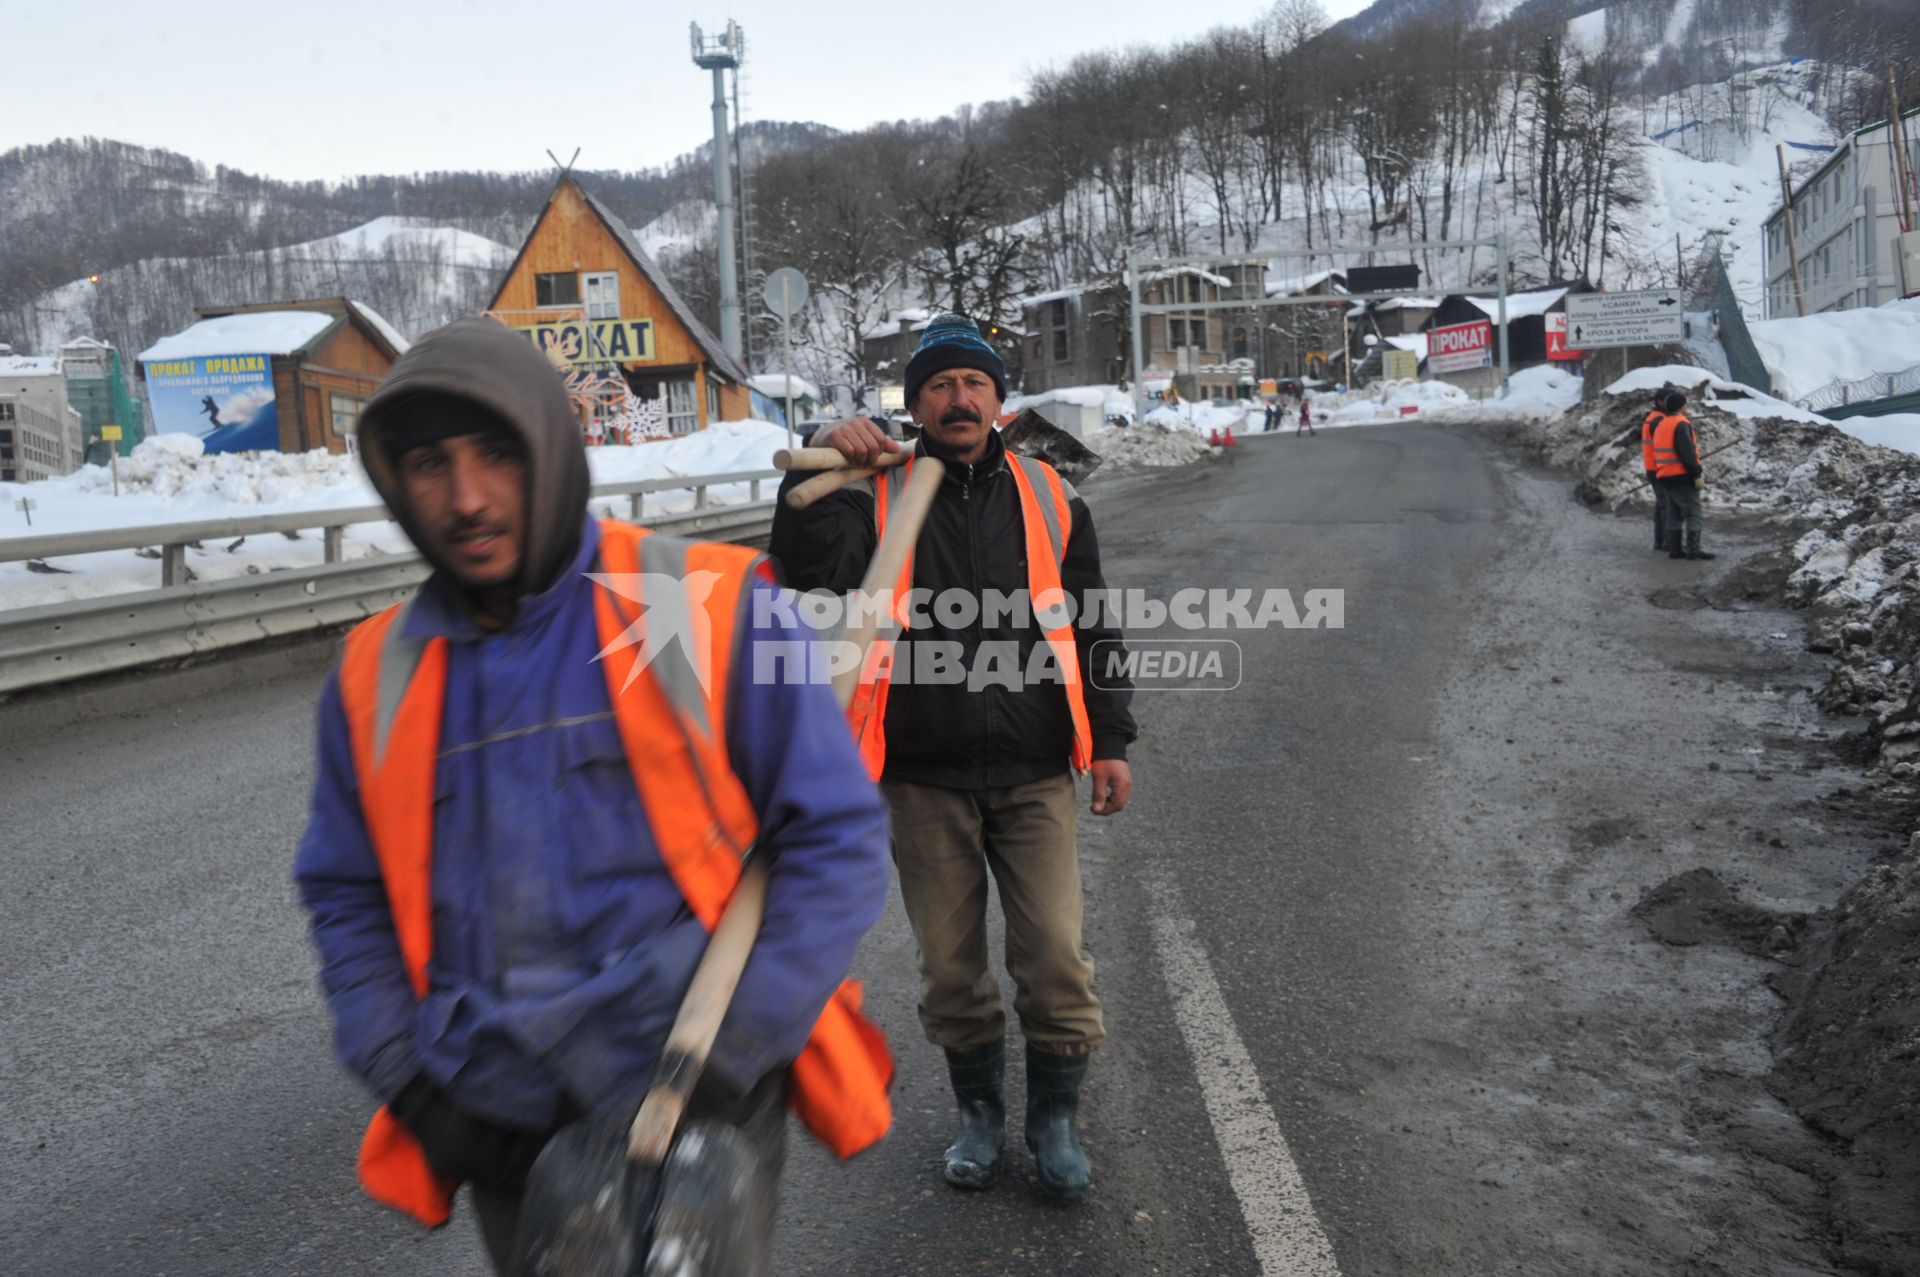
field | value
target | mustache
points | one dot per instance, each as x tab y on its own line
959	412
461	528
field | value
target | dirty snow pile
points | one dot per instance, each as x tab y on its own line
1774	459
1148	445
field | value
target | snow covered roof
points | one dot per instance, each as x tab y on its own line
1520	305
1416	342
93	342
1295	284
912	319
29	365
376	321
1220	281
263	332
774	386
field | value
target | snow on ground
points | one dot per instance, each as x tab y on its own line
1897	430
1703	387
168	479
1805	354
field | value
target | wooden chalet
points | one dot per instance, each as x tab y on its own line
635	357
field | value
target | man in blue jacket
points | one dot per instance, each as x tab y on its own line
561	944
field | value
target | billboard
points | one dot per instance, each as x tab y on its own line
225	400
1399	365
1557	339
1458	347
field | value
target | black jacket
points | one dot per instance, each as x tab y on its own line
945	733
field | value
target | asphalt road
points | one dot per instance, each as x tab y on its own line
1259	919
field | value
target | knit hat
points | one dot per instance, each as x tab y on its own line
953	341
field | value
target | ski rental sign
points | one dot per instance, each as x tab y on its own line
1460	347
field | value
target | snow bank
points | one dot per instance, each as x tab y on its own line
1845	345
1149	444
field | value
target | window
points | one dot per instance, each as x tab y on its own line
6	410
682	417
1240	343
1176	333
556	290
713	400
603	295
1057	325
346	414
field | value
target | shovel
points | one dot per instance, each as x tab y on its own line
594	1193
1613	506
1029	434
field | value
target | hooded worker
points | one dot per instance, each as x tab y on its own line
537	782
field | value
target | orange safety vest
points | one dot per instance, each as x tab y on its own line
1047	523
1646	438
1666	457
393	688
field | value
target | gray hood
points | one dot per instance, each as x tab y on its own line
487	363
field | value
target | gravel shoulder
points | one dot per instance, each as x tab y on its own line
1639	821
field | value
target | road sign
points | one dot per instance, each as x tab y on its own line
786	292
26	506
110	433
1557	339
1652	316
1459	347
1382	279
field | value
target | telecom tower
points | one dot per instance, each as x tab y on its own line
720	56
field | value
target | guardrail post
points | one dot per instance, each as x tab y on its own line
173	565
331	540
753	490
639	506
699	496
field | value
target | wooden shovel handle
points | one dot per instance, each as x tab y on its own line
823	484
829	459
904	520
698	1022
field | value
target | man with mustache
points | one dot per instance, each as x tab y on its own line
975	738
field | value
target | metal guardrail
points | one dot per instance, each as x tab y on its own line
174	539
58	642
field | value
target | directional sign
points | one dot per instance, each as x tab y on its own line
786	292
1649	317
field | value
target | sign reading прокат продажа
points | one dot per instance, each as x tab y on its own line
227	400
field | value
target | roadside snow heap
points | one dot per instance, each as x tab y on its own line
178	466
1856	564
1148	444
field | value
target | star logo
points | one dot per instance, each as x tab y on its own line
667	606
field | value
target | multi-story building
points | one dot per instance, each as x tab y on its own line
97	389
1211	354
1846	229
41	436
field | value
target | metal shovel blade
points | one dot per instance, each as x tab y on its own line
1032	435
587	1210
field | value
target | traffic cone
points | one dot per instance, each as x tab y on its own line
1213	437
1228	439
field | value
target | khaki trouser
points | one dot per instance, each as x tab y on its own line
944	843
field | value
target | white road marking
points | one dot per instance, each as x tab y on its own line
1287	1237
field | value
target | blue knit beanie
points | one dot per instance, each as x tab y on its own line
953	341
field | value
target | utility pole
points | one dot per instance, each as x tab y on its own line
1793	238
720	56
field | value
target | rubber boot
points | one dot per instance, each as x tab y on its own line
978	1076
1676	546
1053	1103
1693	548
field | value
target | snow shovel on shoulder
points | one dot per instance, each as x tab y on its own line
594	1194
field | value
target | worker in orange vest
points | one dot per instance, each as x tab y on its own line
1660	502
978	769
1677	469
538	781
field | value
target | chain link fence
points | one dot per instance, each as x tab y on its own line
1713	292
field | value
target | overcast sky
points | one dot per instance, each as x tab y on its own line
399	86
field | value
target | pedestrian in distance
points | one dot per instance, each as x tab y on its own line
527	816
1660	500
1677	469
978	773
1273	416
1306	418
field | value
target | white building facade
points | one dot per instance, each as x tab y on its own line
41	435
1846	222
